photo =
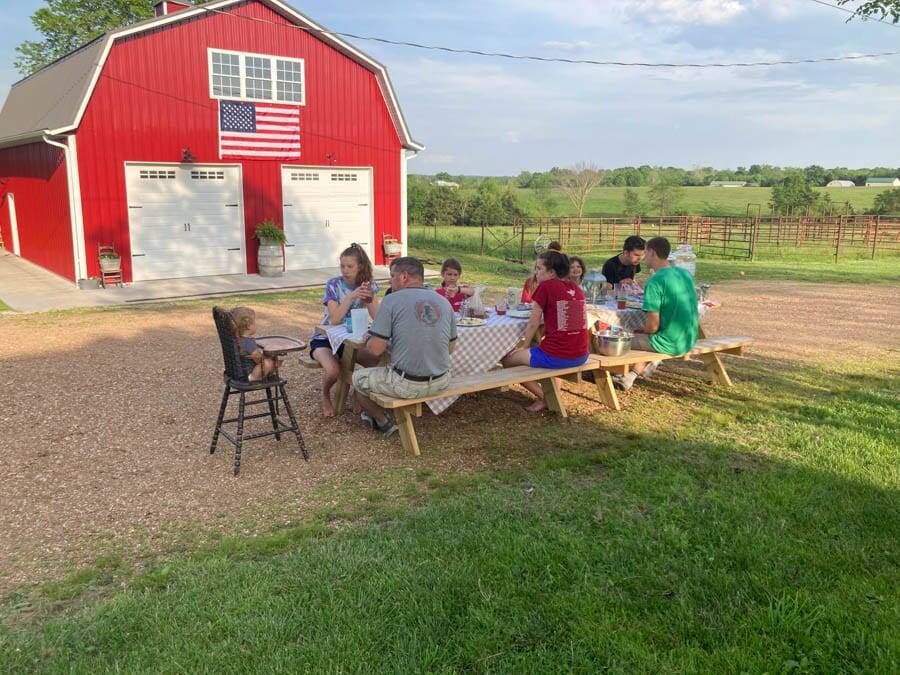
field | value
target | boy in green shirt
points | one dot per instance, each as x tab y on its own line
670	301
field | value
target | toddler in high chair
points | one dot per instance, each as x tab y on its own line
257	365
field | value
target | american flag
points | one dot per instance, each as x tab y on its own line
256	130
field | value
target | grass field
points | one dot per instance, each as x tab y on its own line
788	265
751	529
712	201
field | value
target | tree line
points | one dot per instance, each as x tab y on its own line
476	200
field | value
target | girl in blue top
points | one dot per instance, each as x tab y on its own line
354	289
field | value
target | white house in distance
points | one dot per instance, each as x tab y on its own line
841	183
728	183
874	181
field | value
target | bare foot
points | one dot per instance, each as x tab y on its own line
327	408
537	406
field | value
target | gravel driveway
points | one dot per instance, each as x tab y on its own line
107	415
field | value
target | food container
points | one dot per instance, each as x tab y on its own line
614	343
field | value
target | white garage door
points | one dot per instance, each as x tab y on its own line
185	221
325	210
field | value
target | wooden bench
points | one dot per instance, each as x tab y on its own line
406	409
706	350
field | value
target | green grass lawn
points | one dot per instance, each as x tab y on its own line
745	530
610	201
751	529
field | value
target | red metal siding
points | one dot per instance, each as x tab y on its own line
36	175
152	100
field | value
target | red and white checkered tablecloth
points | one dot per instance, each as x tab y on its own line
478	349
629	319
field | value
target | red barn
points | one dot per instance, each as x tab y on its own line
171	139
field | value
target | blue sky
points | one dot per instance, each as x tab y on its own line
493	116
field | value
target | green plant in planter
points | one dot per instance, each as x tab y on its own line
268	230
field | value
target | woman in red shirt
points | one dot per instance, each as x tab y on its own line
450	288
560	304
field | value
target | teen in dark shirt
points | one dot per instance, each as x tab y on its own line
627	263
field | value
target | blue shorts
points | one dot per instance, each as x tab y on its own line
540	359
321	342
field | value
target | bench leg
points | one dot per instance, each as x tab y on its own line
348	360
716	369
701	334
552	396
606	390
407	430
418	411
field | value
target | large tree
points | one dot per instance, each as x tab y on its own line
68	24
887	202
875	9
664	196
793	195
578	182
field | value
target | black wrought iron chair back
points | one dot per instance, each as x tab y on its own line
238	384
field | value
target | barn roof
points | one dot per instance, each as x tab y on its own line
53	99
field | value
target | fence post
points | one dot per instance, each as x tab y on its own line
875	236
482	238
837	239
522	241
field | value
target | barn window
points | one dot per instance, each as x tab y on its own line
198	174
226	74
154	174
343	177
256	77
304	176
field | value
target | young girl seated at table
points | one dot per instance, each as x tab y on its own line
354	289
450	287
531	283
559	303
257	365
576	270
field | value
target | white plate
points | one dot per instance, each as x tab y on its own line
519	313
471	323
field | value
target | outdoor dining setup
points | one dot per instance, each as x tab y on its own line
391	354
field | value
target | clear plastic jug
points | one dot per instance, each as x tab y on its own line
684	257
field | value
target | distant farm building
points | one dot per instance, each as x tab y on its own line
841	183
728	183
447	184
873	181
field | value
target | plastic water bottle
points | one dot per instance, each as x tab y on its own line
685	258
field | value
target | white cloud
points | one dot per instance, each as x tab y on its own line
511	137
662	12
568	46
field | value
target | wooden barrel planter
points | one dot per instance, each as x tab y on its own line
270	258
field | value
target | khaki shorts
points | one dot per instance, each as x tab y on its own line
641	342
384	380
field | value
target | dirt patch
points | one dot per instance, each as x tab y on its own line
107	417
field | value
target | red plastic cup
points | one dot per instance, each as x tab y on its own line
621	303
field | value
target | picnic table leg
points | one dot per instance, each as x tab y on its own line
348	359
716	369
552	396
407	430
701	334
606	390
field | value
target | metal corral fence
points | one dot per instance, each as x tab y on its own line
737	238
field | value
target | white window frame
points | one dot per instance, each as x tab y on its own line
273	69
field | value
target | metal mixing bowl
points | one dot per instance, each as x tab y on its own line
614	343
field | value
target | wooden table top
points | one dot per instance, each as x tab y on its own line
280	344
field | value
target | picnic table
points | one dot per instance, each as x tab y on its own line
478	350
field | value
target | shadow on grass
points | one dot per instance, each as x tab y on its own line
650	541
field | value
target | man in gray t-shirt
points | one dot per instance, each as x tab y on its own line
421	328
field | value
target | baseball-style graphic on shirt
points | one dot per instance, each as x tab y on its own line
428	312
571	315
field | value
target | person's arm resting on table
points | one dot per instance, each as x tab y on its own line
379	333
